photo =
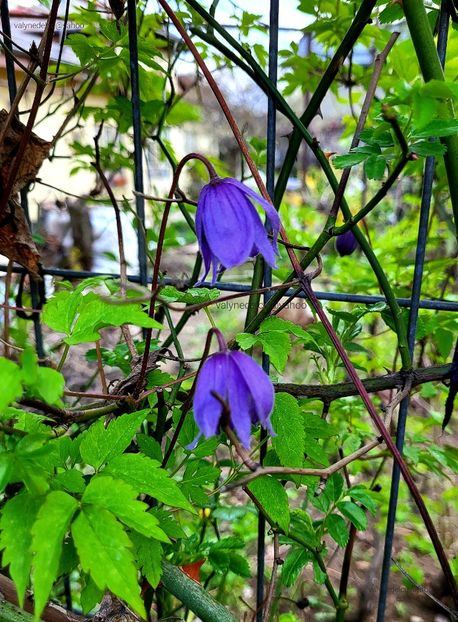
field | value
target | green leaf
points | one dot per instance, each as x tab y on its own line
444	339
427	148
123	505
288	423
275	323
193	296
277	346
296	559
48	533
90	594
99	444
105	553
337	528
273	498
10	381
18	517
81	316
145	475
246	340
318	574
148	554
334	487
375	167
316	427
71	480
354	513
150	447
49	385
437	128
365	497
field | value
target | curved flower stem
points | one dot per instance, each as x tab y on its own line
157	261
431	68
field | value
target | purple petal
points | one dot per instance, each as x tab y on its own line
203	244
228	225
207	409
262	244
260	387
271	212
240	403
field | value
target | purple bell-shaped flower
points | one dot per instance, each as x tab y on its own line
229	229
232	381
346	243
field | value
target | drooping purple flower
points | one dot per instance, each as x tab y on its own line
242	385
346	243
229	229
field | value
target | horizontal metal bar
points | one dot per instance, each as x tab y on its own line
436	305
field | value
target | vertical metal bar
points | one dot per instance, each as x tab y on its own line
136	123
411	333
270	184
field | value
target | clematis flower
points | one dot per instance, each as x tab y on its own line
346	243
229	229
233	379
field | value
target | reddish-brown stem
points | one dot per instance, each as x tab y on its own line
157	260
306	287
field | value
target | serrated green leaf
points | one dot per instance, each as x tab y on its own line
148	554
337	528
437	128
99	444
150	447
288	423
105	553
48	533
246	340
6	469
314	451
80	316
354	513
228	543
375	167
239	565
316	427
273	498
364	496
194	295
17	519
49	385
71	480
294	562
318	574
427	148
10	381
274	323
90	595
145	475
277	346
334	487
123	505
168	524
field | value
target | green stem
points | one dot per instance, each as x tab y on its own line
431	68
300	132
192	595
